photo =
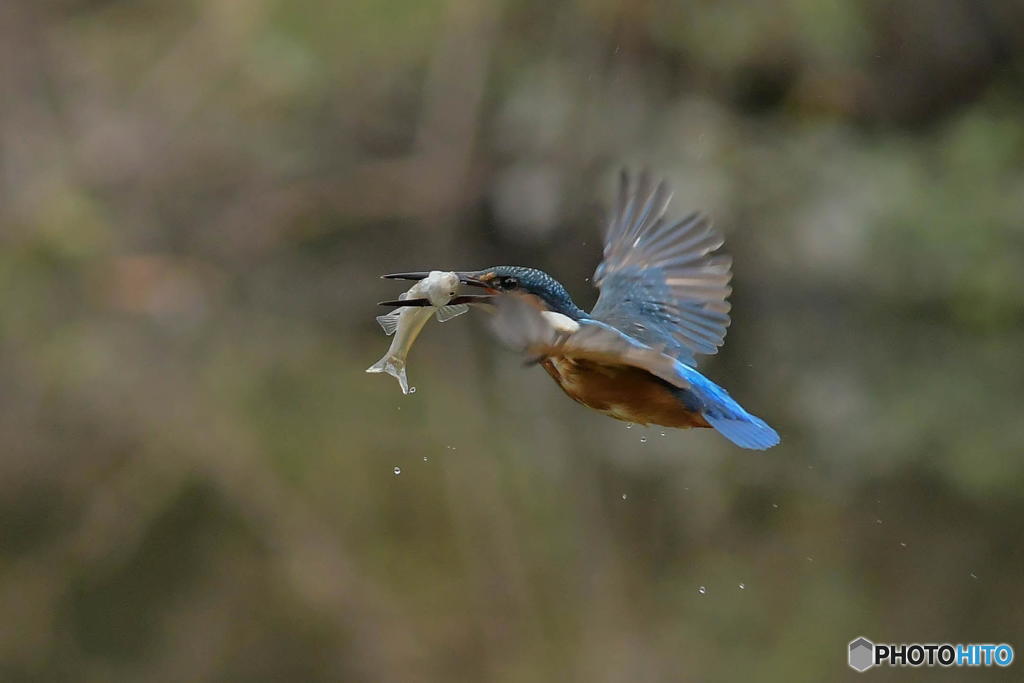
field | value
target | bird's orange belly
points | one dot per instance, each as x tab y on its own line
623	392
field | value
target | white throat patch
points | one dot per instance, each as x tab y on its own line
562	324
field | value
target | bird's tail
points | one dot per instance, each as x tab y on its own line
744	430
728	417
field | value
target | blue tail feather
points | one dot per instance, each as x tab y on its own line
747	431
726	415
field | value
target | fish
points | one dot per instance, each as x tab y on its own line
406	322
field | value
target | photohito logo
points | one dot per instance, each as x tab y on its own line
863	654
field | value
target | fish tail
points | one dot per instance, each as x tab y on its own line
393	366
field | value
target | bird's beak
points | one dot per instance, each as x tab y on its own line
466	278
395	303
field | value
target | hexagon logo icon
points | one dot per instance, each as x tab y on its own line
862	654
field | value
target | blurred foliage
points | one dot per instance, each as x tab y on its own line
198	479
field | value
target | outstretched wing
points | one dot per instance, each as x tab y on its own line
660	280
524	328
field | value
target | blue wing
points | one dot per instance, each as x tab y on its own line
660	280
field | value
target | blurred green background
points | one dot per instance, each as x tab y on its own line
198	480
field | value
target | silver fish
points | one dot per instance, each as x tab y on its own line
407	322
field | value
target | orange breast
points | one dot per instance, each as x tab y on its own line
623	392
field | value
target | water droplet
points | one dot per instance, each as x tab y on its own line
629	425
412	390
663	434
424	458
624	496
586	279
810	559
903	544
643	439
974	576
775	505
702	590
878	521
398	470
743	586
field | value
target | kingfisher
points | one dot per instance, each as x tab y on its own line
664	292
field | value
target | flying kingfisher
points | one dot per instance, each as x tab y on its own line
663	299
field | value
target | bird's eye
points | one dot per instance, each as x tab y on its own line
509	283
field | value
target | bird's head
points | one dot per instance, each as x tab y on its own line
549	292
530	281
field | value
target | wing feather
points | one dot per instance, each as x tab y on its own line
661	279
